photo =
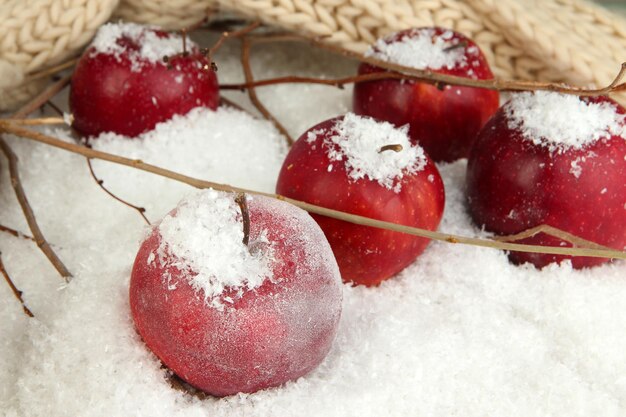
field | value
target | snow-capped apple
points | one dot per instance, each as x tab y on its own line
230	316
132	77
370	168
552	159
443	120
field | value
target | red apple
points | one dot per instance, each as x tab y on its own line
552	159
122	83
443	121
339	164
228	317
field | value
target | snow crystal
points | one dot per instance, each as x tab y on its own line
559	121
358	142
421	49
152	47
203	238
68	118
226	140
460	332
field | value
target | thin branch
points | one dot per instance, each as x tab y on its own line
40	240
15	233
51	70
16	292
6	126
552	231
54	107
140	210
247	70
403	72
333	82
41	99
29	215
500	85
226	35
40	121
226	102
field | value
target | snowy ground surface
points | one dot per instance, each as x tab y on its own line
459	333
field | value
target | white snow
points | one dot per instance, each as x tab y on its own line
460	332
560	121
422	49
152	46
203	238
356	141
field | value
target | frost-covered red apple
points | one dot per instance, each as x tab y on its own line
229	317
548	158
369	168
443	121
122	83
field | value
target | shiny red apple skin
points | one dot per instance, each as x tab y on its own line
276	333
514	185
443	121
366	255
108	96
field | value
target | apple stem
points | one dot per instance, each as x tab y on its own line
395	147
183	32
245	214
461	44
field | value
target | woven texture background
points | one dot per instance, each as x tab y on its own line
551	40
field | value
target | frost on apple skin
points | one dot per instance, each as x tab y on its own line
258	336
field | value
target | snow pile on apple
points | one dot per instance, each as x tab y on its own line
536	340
370	168
551	159
445	120
230	316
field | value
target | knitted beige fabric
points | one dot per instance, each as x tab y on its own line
38	33
552	40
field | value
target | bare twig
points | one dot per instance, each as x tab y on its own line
54	107
435	79
40	121
403	72
247	70
51	70
41	242
5	125
15	233
333	82
226	35
552	231
45	95
29	214
140	210
16	292
226	102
